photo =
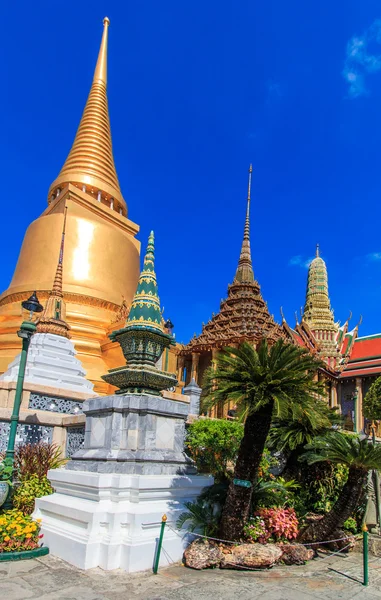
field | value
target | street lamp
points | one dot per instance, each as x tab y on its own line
26	331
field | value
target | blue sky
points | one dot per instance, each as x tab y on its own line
197	91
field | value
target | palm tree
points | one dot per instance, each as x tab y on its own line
290	436
277	381
360	456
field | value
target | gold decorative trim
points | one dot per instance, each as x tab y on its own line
69	297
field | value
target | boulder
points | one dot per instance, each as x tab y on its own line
202	554
251	556
295	554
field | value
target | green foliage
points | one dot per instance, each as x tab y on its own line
273	493
288	435
346	449
202	516
320	487
282	375
37	459
213	445
6	471
372	401
30	489
350	525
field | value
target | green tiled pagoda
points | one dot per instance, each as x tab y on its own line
143	339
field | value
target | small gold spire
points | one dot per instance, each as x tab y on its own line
53	317
317	250
244	271
90	163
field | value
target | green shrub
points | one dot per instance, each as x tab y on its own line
321	485
350	525
214	445
372	401
30	489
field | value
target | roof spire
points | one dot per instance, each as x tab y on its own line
100	73
244	271
52	319
317	250
90	163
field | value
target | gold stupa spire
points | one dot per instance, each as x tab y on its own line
53	317
245	271
90	163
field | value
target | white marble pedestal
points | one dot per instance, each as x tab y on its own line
113	520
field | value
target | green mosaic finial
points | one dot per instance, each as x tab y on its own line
145	308
143	339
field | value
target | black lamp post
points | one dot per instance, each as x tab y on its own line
26	331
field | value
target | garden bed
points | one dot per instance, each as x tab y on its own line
24	555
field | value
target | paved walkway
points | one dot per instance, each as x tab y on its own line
49	578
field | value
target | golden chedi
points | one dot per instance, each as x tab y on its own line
101	262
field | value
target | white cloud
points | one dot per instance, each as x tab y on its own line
374	256
360	61
299	261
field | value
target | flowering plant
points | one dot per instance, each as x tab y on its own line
280	523
255	530
30	489
18	532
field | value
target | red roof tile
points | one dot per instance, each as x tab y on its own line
366	347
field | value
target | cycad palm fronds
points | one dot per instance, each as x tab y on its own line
201	516
346	449
250	378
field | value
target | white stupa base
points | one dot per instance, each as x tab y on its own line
52	363
113	521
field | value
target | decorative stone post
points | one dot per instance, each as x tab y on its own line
195	361
180	368
193	391
334	403
358	406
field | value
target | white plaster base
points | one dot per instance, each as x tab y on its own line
52	362
113	521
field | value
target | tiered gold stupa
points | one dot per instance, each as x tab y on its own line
101	262
318	313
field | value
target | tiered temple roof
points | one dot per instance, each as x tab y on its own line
244	315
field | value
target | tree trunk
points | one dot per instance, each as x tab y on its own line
349	499
292	469
237	506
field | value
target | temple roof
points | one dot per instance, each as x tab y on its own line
90	162
243	315
365	358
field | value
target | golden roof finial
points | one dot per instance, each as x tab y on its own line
100	73
52	319
90	163
317	250
244	271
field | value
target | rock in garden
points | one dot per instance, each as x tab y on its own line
202	554
295	554
252	556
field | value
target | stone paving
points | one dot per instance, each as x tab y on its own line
49	578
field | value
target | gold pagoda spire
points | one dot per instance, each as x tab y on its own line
245	271
90	163
52	319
